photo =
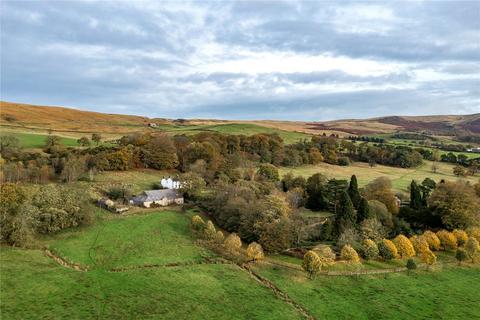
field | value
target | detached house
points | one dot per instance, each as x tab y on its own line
162	198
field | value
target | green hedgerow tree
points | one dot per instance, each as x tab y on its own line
197	223
363	212
311	263
210	232
353	192
472	248
411	265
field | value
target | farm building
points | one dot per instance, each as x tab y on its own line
162	197
170	183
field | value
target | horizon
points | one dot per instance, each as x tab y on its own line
245	61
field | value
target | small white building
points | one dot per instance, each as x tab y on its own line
162	198
170	183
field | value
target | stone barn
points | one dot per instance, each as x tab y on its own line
162	198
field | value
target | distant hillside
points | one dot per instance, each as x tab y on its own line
24	117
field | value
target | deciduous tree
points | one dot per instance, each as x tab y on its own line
349	254
311	264
404	246
255	251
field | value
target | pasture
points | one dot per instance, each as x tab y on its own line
37	141
400	177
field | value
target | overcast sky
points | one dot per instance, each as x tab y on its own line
244	60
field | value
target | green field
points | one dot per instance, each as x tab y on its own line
401	178
34	286
235	128
32	140
140	180
451	293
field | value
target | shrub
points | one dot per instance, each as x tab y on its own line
370	249
349	254
461	236
461	255
233	243
432	240
197	223
411	265
472	248
255	251
404	246
311	263
324	252
447	240
343	161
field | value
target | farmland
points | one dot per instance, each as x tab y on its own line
37	141
400	177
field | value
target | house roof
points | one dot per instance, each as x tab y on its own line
156	195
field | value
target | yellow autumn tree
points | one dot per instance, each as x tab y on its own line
428	257
197	223
255	251
474	232
391	247
420	244
233	243
404	246
311	263
461	237
432	240
349	254
209	232
447	240
370	249
472	248
219	237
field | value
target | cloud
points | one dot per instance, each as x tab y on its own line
295	60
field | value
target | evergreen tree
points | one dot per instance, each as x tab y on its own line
346	216
415	196
363	211
353	192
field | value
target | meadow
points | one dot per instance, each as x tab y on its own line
400	177
37	141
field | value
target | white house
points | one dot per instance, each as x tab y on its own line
170	183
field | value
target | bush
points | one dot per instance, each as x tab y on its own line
411	265
324	252
432	240
349	254
474	232
428	257
472	248
219	237
404	246
447	240
370	249
461	255
461	237
120	192
255	251
420	244
343	161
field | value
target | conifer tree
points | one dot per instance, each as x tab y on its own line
353	192
346	216
363	211
415	196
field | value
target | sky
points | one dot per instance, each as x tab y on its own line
247	60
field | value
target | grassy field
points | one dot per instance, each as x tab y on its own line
448	294
34	141
400	177
140	180
35	287
235	128
157	238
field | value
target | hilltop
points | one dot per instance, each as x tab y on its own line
71	122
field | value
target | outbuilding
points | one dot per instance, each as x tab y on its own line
163	197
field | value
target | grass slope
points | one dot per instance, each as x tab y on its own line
31	140
448	294
157	238
34	287
400	177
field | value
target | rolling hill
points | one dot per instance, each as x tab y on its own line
73	122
